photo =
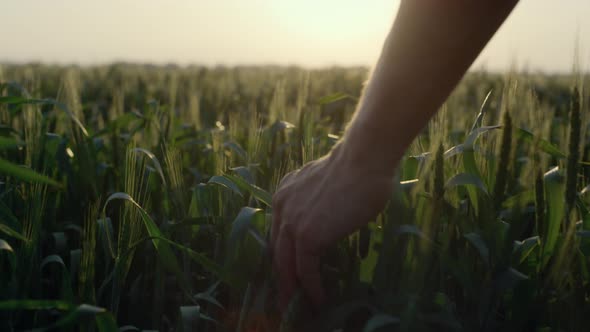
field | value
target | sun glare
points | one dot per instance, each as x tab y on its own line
330	19
304	32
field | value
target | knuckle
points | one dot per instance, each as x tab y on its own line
286	179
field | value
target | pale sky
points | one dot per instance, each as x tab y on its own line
540	34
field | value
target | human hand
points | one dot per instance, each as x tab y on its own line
313	208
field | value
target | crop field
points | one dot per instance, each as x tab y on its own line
136	198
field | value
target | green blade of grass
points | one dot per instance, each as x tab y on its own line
482	111
477	241
466	179
199	258
5	246
509	279
520	199
166	256
155	162
104	320
35	305
208	297
258	193
248	218
66	291
233	146
7	217
53	259
522	249
380	321
12	233
202	260
9	143
226	183
555	202
12	100
25	174
468	144
542	144
368	264
474	135
335	97
189	316
475	178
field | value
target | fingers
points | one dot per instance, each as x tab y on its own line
284	261
294	260
308	274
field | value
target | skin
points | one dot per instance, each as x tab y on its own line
430	47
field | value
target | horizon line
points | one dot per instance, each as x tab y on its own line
476	68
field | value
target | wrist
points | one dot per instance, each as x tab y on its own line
369	149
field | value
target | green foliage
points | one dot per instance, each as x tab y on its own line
502	172
573	158
140	199
24	174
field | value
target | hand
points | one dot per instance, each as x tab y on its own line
313	208
330	198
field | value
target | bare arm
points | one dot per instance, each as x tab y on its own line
429	49
427	52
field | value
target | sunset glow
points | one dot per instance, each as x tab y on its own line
540	34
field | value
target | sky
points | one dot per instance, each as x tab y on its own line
539	35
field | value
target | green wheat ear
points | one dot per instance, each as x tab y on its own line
574	151
503	164
439	175
539	203
86	276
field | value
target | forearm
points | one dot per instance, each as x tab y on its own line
429	48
